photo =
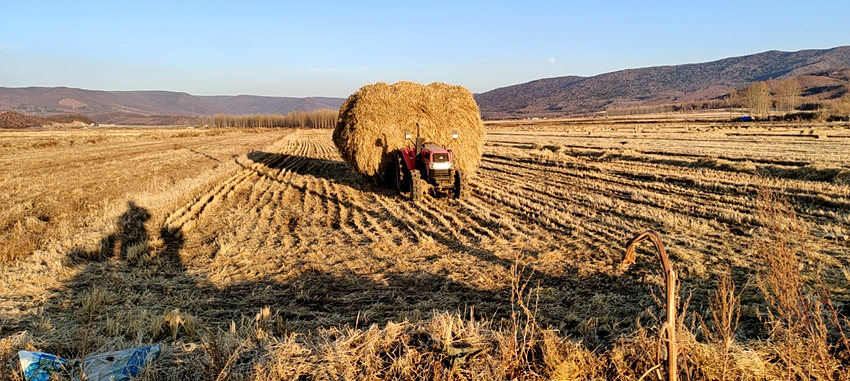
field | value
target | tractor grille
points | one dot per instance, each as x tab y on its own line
441	174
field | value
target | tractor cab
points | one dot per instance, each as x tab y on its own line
437	163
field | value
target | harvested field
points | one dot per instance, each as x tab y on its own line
61	185
262	255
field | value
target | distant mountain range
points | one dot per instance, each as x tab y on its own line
822	73
148	107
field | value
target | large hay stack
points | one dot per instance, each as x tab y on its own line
372	122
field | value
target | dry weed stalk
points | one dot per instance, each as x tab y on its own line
221	353
725	307
670	287
798	315
8	370
89	326
523	330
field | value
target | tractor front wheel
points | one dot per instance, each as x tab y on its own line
461	190
417	186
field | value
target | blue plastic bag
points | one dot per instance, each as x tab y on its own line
117	366
39	366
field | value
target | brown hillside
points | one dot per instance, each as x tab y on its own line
148	107
11	119
667	84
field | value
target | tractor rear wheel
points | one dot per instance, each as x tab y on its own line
402	175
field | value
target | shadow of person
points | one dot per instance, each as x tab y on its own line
116	292
130	235
131	242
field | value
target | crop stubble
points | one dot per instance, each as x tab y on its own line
290	226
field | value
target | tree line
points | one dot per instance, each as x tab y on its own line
758	99
322	118
711	104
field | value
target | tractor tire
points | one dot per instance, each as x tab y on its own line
461	190
417	186
402	176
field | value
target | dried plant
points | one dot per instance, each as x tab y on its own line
725	310
798	317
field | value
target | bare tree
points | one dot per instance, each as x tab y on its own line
842	107
731	99
786	95
756	98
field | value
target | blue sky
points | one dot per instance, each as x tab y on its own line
326	48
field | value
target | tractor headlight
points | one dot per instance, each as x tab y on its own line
443	165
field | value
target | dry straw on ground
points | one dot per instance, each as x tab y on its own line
373	120
259	255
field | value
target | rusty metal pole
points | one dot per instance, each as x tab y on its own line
670	285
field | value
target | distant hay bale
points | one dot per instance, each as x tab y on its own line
372	122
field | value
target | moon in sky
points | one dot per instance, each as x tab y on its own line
551	60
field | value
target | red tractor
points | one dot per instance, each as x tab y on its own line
428	167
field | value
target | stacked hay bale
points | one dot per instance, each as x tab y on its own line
373	120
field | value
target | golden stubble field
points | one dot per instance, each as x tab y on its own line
259	254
